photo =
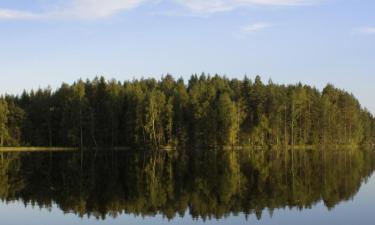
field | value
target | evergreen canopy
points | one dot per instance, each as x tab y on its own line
206	111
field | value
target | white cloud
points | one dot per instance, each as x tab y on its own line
96	9
254	27
6	14
212	6
365	30
251	28
76	9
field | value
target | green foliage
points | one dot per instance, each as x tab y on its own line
4	112
227	116
154	106
208	111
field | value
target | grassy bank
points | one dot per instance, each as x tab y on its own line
296	147
170	148
36	149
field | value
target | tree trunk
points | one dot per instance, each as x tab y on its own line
285	129
81	135
1	145
80	127
50	134
292	124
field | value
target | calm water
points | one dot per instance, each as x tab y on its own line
192	187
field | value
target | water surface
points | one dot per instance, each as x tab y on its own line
188	187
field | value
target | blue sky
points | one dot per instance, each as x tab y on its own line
46	42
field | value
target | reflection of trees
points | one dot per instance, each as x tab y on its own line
10	181
204	183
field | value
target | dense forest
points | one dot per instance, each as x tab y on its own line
207	111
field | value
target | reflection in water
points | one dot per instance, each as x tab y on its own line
206	184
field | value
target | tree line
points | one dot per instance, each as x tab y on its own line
205	111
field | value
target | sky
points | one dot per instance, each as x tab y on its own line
47	42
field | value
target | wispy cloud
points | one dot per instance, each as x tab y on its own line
75	9
365	30
94	9
212	6
7	14
178	13
252	28
97	9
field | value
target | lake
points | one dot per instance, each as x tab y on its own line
188	187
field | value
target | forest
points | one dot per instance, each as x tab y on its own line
209	111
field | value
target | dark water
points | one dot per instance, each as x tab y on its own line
188	187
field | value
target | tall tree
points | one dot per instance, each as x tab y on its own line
3	121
